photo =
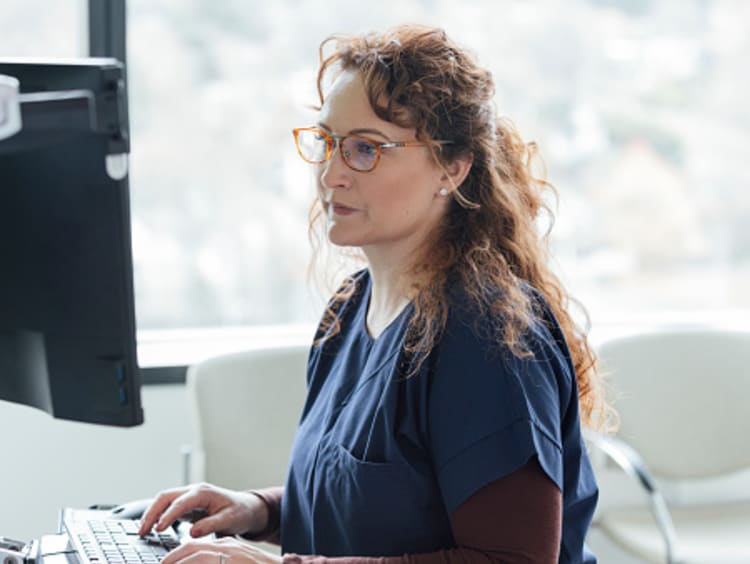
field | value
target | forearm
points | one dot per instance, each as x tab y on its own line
271	497
451	556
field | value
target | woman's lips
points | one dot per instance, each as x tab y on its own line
338	209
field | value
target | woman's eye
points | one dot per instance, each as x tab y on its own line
365	148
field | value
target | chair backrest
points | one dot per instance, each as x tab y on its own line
246	408
683	399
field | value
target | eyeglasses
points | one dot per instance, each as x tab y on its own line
359	153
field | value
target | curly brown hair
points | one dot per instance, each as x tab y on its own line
416	77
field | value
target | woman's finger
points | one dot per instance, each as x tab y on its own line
196	497
210	524
228	550
203	557
157	507
229	513
202	548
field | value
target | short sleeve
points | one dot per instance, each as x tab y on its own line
490	412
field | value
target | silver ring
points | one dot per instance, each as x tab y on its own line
222	558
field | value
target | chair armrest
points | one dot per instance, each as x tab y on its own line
628	459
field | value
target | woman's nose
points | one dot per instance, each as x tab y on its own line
335	173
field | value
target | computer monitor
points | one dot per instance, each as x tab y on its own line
67	319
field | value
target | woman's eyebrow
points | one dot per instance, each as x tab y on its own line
359	131
370	131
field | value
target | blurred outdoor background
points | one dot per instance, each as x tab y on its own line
639	107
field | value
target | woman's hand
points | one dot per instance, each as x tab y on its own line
223	551
228	512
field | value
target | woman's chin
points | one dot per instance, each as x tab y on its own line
341	238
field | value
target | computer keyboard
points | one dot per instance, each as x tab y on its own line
100	540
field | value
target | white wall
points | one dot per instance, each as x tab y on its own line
46	464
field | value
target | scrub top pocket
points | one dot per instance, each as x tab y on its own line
373	488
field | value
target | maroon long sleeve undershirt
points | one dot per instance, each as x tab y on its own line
515	519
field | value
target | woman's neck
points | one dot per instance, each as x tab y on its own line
389	293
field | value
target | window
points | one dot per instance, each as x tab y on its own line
639	109
43	28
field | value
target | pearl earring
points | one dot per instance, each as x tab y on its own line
443	192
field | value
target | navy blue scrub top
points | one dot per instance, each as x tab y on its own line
380	461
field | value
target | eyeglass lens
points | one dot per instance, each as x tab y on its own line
359	153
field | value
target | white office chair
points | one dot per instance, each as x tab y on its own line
246	408
683	402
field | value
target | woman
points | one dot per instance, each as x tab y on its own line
447	382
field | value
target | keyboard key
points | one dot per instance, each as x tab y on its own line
117	542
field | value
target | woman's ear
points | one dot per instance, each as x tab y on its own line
456	171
